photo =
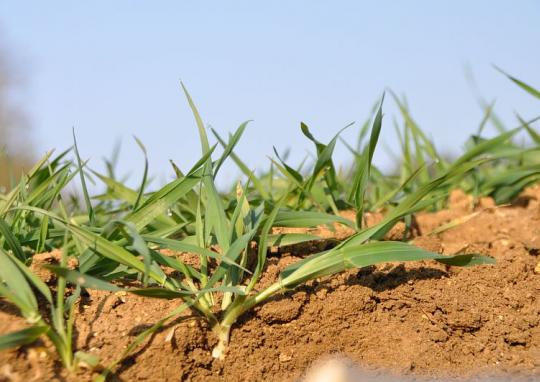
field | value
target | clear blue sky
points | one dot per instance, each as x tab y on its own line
112	69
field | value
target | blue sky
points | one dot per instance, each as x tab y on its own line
112	70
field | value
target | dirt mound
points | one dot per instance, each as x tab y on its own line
418	319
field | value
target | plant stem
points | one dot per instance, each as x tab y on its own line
223	333
223	329
231	317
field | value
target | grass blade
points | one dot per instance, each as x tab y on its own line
529	89
22	337
91	216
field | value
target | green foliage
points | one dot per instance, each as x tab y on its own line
126	234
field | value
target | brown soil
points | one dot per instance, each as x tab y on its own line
415	319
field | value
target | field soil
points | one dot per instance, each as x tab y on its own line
420	320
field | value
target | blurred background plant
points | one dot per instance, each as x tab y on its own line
16	151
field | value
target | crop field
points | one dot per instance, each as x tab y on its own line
432	270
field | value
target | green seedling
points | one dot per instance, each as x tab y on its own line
120	235
21	234
232	244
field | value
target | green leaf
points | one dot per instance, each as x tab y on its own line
202	132
287	170
230	146
363	168
84	280
91	216
286	239
145	173
174	294
158	293
215	217
288	218
245	169
529	89
43	233
177	245
102	246
161	201
363	255
170	261
14	287
231	255
263	246
324	153
12	241
22	337
91	360
484	147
